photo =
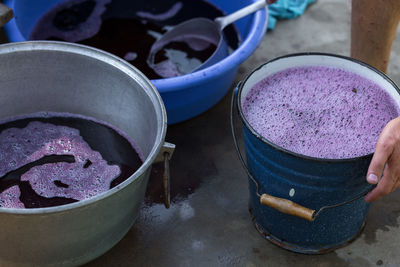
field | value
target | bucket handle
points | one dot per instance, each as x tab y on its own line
6	14
281	204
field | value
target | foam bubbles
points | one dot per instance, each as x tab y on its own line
163	16
61	179
319	111
81	181
83	28
10	198
130	56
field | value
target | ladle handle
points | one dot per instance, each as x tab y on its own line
288	207
6	14
226	20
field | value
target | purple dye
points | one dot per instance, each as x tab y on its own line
51	159
130	56
72	20
320	112
128	29
162	16
9	198
170	61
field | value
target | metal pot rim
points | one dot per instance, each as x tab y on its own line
114	62
291	153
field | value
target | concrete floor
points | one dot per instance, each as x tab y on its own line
208	223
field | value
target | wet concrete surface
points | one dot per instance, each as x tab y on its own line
208	223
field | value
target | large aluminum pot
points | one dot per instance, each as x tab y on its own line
63	77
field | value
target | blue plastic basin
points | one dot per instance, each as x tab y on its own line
185	96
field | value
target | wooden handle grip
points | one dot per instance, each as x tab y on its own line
6	14
287	206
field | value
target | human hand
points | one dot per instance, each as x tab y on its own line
384	169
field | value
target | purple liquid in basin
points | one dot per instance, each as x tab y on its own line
51	159
320	112
128	29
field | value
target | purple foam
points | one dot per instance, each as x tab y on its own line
20	146
44	28
10	198
83	182
319	111
162	16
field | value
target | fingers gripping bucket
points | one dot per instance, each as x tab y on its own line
304	204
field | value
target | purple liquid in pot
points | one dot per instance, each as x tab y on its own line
319	111
51	159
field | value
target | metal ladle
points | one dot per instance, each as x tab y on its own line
204	29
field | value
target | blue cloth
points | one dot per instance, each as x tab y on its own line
286	9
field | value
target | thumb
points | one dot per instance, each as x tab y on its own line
384	148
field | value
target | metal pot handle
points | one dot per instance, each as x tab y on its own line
280	204
165	155
6	14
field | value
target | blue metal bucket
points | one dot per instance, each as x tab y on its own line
286	188
185	96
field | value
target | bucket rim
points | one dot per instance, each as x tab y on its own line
284	150
127	69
